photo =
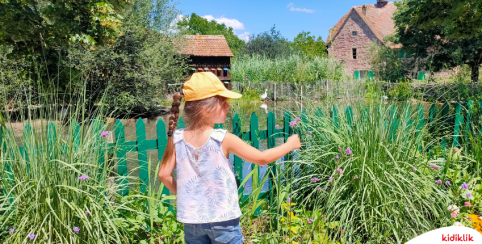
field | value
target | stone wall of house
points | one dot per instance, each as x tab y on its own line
341	48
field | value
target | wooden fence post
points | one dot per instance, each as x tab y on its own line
142	154
161	148
121	157
470	109
459	120
238	162
271	144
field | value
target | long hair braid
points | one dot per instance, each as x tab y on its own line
169	152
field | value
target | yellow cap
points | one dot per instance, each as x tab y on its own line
204	85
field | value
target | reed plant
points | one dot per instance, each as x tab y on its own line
57	179
293	68
370	172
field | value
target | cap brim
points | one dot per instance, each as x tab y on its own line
230	94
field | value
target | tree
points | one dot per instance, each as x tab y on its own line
270	44
432	40
309	45
461	18
195	24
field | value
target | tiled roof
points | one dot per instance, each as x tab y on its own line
206	45
378	18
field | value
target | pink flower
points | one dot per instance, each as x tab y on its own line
87	212
276	126
288	200
348	151
330	179
469	195
309	221
76	230
297	119
319	189
447	183
340	171
31	236
292	123
83	177
356	177
454	214
434	166
309	132
11	231
327	188
465	186
467	204
314	179
337	156
339	148
104	133
414	169
439	182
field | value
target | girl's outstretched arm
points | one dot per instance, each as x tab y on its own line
165	175
233	144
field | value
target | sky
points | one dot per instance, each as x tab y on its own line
290	17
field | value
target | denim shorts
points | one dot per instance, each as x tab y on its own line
215	233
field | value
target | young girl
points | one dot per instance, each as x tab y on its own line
207	194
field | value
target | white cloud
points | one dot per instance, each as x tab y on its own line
291	6
244	36
228	22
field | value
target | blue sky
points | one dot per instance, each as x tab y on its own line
290	17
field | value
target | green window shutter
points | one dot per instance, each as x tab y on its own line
357	74
401	54
370	75
421	75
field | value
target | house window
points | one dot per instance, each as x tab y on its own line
354	33
354	53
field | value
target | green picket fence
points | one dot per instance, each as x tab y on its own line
141	145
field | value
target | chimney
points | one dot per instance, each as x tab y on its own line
381	3
364	10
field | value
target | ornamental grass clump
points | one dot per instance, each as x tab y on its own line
59	187
369	162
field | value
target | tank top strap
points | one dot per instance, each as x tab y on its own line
177	136
218	135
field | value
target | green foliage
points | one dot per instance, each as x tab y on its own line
388	202
422	29
309	45
134	68
45	24
195	24
270	44
293	68
402	91
388	65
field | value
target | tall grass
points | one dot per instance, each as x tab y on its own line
386	192
60	187
294	68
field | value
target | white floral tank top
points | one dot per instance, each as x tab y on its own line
206	188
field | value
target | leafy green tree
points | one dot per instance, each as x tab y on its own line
195	24
461	18
270	44
134	72
309	45
388	65
422	31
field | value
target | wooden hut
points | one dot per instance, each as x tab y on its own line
209	53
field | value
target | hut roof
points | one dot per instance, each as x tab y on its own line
207	45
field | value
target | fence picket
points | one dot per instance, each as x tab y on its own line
349	116
446	120
238	162
51	138
121	156
142	154
253	134
335	117
271	144
470	109
459	120
161	147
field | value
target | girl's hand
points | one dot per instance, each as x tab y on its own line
294	141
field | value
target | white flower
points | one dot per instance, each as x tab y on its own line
480	217
453	208
458	224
